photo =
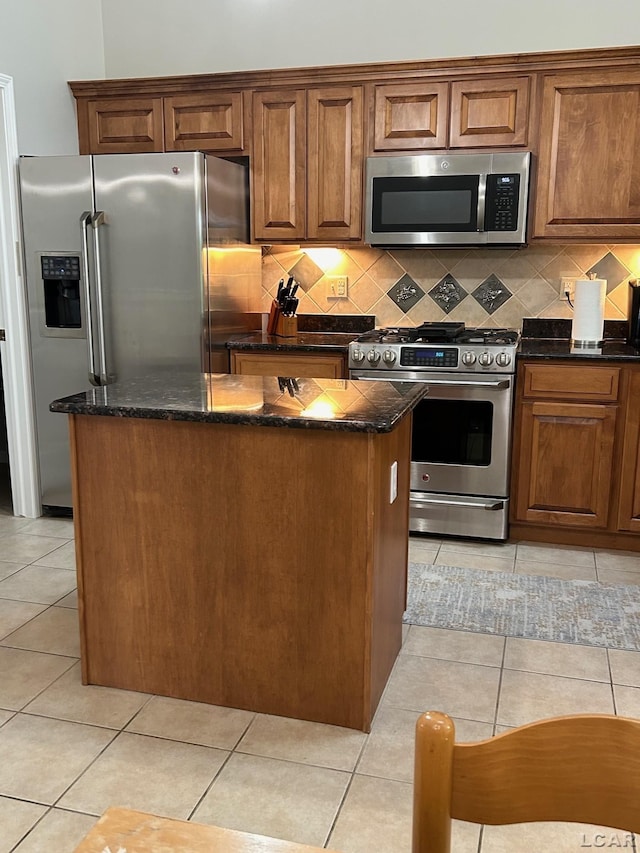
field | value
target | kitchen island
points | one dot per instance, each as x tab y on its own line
242	540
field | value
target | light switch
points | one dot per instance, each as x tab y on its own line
393	482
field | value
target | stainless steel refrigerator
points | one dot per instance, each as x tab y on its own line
135	263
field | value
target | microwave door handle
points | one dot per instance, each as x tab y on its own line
97	220
482	197
85	220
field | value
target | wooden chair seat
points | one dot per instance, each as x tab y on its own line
583	768
137	832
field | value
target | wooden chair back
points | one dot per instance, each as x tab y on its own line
583	768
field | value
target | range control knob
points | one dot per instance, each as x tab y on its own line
485	359
468	357
373	356
357	355
388	356
503	359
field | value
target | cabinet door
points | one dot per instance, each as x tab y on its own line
279	165
489	112
329	366
334	163
629	507
588	183
564	469
206	122
121	126
410	116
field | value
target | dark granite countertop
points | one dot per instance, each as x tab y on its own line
316	333
334	404
302	342
551	339
543	348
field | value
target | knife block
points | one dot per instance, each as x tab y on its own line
286	327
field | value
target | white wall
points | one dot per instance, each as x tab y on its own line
42	46
165	37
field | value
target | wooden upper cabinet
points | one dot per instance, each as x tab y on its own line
334	163
121	126
279	165
204	122
489	112
588	183
410	116
307	164
424	115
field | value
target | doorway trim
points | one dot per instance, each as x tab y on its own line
15	351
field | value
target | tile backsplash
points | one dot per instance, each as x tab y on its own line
480	287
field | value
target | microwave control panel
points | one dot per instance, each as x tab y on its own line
501	207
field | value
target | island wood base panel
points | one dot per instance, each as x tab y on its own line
251	567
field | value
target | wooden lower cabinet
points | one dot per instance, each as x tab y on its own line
629	507
576	454
565	467
311	365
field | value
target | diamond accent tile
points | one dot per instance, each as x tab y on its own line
306	272
448	293
611	269
406	293
492	293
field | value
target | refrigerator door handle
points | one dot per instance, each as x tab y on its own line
104	377
85	220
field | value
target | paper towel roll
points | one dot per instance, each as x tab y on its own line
588	312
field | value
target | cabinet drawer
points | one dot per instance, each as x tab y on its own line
570	382
329	366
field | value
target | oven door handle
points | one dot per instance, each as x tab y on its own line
424	503
466	383
448	383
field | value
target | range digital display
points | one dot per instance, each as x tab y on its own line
429	356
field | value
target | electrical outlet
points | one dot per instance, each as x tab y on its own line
567	286
338	287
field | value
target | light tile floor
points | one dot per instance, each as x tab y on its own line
68	751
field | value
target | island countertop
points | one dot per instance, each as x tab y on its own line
329	404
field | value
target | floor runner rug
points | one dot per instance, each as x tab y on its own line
528	606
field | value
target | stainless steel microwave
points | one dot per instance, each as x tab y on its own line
447	199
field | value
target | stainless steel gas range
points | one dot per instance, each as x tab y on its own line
461	440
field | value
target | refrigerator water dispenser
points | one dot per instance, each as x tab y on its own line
61	292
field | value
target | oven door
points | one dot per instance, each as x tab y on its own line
461	439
